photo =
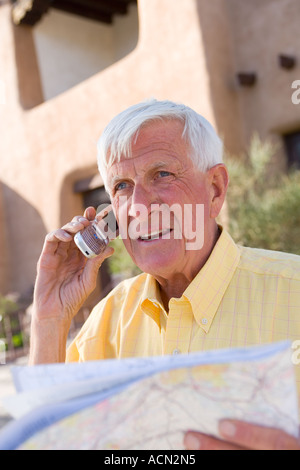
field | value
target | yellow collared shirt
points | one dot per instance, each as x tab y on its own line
242	296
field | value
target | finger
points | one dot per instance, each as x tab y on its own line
197	441
63	249
53	239
93	264
100	258
74	227
90	213
58	235
257	437
83	220
109	250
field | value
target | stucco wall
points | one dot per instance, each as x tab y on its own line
4	269
188	51
45	148
261	31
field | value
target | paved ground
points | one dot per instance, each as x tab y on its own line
7	387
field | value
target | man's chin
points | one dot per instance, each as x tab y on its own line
160	267
158	257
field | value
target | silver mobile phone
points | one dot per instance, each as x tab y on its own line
93	240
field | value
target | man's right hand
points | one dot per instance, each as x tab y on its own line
65	278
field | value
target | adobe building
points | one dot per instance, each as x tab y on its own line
67	67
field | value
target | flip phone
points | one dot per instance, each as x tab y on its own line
93	240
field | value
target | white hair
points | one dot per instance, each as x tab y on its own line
116	139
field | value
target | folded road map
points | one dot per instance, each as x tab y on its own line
149	403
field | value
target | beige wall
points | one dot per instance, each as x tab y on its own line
219	55
4	269
248	37
71	49
188	51
261	31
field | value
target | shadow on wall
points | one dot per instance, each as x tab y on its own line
219	56
29	82
23	233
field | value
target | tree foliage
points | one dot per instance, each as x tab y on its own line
263	206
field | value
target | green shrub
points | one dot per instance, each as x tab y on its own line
9	307
263	207
121	263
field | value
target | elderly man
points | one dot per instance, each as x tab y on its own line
198	290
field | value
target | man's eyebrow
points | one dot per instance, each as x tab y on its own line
155	166
117	179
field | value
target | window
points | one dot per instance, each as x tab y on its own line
292	144
95	197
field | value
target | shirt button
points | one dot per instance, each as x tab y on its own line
204	321
176	351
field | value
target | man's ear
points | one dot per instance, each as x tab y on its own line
219	180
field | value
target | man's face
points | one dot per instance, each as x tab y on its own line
160	174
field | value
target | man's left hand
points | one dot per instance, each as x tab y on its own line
238	435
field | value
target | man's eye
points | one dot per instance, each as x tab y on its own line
163	174
120	186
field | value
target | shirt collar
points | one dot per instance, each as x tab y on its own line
151	302
209	286
206	290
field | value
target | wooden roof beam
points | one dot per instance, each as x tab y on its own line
29	11
83	11
106	6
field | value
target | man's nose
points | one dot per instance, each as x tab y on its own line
141	197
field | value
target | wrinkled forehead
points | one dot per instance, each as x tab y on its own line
160	136
152	138
162	130
156	149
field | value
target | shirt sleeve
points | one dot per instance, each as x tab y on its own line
98	339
